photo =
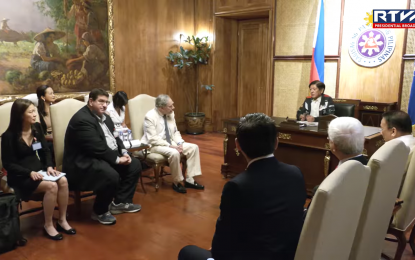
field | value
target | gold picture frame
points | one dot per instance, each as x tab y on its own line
111	68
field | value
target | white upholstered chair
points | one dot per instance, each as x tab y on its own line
61	113
4	123
387	168
138	108
405	216
327	233
33	98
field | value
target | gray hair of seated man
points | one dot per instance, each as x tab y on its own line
347	134
161	100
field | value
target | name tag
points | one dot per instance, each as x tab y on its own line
36	146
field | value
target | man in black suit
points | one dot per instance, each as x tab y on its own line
96	159
262	207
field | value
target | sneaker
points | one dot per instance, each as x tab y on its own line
124	207
105	219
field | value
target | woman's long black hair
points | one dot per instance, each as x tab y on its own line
120	99
41	92
17	114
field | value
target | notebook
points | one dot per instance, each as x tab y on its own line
47	177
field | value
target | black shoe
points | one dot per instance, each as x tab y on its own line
179	188
57	237
195	185
71	231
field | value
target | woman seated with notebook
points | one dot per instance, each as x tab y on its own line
24	152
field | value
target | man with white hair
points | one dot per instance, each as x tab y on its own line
160	131
346	139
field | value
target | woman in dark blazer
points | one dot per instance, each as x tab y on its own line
46	97
24	152
317	104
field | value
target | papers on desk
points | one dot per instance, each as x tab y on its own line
132	144
370	130
308	123
47	177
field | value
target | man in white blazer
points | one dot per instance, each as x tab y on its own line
160	131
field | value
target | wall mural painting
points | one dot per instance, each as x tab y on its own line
61	43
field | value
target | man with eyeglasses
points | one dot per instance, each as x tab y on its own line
160	131
96	159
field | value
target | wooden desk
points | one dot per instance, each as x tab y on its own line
371	112
307	148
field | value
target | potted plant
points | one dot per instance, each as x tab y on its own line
193	58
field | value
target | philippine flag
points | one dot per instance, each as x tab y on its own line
317	61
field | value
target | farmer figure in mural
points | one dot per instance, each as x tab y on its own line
78	11
93	25
4	26
92	62
46	54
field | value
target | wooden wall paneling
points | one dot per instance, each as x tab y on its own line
224	6
224	97
145	31
379	84
204	27
408	6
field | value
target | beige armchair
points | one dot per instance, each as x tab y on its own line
387	168
327	233
405	217
4	123
61	113
138	108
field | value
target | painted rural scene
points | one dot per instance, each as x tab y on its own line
61	43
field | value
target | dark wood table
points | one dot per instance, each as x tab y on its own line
305	147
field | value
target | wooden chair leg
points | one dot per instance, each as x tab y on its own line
184	168
412	240
142	184
400	236
77	199
156	169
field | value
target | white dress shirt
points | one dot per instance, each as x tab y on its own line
408	140
260	158
315	107
118	119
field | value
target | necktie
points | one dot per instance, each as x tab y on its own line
166	128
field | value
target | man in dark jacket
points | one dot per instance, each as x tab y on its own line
96	159
262	207
317	104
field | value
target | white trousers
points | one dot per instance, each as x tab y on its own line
191	151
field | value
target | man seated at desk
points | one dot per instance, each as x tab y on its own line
317	104
397	124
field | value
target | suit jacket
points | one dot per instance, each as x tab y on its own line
361	158
326	107
86	150
154	127
261	213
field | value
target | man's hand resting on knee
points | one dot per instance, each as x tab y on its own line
178	148
125	159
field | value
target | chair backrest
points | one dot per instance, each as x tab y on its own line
327	233
347	107
406	214
387	168
60	114
33	98
138	108
5	111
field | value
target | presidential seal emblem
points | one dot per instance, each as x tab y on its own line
371	47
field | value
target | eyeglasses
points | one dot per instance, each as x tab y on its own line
102	102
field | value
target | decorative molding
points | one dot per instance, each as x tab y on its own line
225	130
340	100
237	152
326	163
304	57
284	136
408	56
364	152
233	128
111	44
327	146
225	145
370	107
